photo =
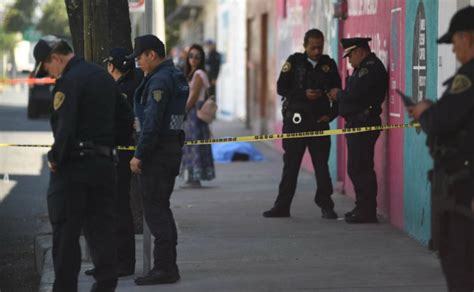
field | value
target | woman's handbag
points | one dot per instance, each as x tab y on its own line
207	111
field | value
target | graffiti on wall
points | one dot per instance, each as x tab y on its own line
362	7
419	55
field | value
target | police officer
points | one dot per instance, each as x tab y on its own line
303	82
160	102
127	78
449	124
213	64
81	193
361	105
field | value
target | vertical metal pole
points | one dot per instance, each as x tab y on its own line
149	16
87	17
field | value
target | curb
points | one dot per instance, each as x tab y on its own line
44	260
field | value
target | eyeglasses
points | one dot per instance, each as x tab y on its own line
194	56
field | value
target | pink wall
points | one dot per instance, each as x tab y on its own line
383	21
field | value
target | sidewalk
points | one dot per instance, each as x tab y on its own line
225	244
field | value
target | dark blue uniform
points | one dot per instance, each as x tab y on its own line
160	106
125	228
361	105
450	128
298	75
82	191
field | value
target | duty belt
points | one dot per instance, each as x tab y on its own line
90	149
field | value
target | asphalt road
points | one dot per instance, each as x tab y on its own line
23	183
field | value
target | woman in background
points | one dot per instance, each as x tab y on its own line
198	163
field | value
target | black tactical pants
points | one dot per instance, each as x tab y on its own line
319	148
360	167
457	252
125	231
157	181
82	196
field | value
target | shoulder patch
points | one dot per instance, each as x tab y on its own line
58	100
460	84
286	67
326	68
362	72
157	95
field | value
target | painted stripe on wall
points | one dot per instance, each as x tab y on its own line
417	203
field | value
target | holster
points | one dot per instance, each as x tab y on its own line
444	185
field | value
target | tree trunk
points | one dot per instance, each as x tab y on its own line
76	23
119	24
117	34
96	30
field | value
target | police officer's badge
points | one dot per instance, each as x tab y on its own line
157	95
363	72
460	84
124	95
326	68
286	67
58	100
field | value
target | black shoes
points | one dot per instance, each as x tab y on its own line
120	273
357	218
156	276
276	213
350	213
328	213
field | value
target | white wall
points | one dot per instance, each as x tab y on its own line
231	43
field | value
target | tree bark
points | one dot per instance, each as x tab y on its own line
118	26
76	23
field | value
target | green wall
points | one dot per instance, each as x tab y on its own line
417	161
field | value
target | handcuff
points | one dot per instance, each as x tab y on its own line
297	118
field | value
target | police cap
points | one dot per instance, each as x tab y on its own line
463	20
147	42
351	43
118	58
43	49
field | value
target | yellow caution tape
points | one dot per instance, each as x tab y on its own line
258	138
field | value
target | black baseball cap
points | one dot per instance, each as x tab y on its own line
44	48
463	20
350	44
147	42
118	58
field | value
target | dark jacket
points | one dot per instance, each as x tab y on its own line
128	83
450	123
84	108
160	102
213	64
365	89
298	75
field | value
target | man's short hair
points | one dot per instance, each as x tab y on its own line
313	34
61	48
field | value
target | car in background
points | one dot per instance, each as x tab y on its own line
39	97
